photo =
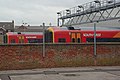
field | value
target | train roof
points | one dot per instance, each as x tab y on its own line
84	28
25	33
99	28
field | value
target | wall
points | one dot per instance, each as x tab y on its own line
29	56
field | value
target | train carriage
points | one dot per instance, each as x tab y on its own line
65	35
19	38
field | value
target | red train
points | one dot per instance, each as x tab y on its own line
64	35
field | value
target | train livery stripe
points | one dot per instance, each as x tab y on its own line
51	29
117	35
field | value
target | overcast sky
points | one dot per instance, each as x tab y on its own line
35	12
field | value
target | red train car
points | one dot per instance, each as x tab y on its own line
64	35
14	37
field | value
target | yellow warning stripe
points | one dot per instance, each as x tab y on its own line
51	29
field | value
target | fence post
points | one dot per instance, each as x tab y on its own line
95	54
95	39
43	39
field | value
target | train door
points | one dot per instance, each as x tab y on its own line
78	37
21	39
75	37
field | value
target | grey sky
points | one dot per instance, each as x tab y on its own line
35	12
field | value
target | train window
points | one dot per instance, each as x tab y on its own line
73	39
104	39
90	39
35	40
62	40
108	40
12	40
78	40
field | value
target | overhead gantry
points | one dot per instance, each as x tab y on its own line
95	11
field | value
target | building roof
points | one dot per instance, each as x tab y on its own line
1	28
7	25
29	28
